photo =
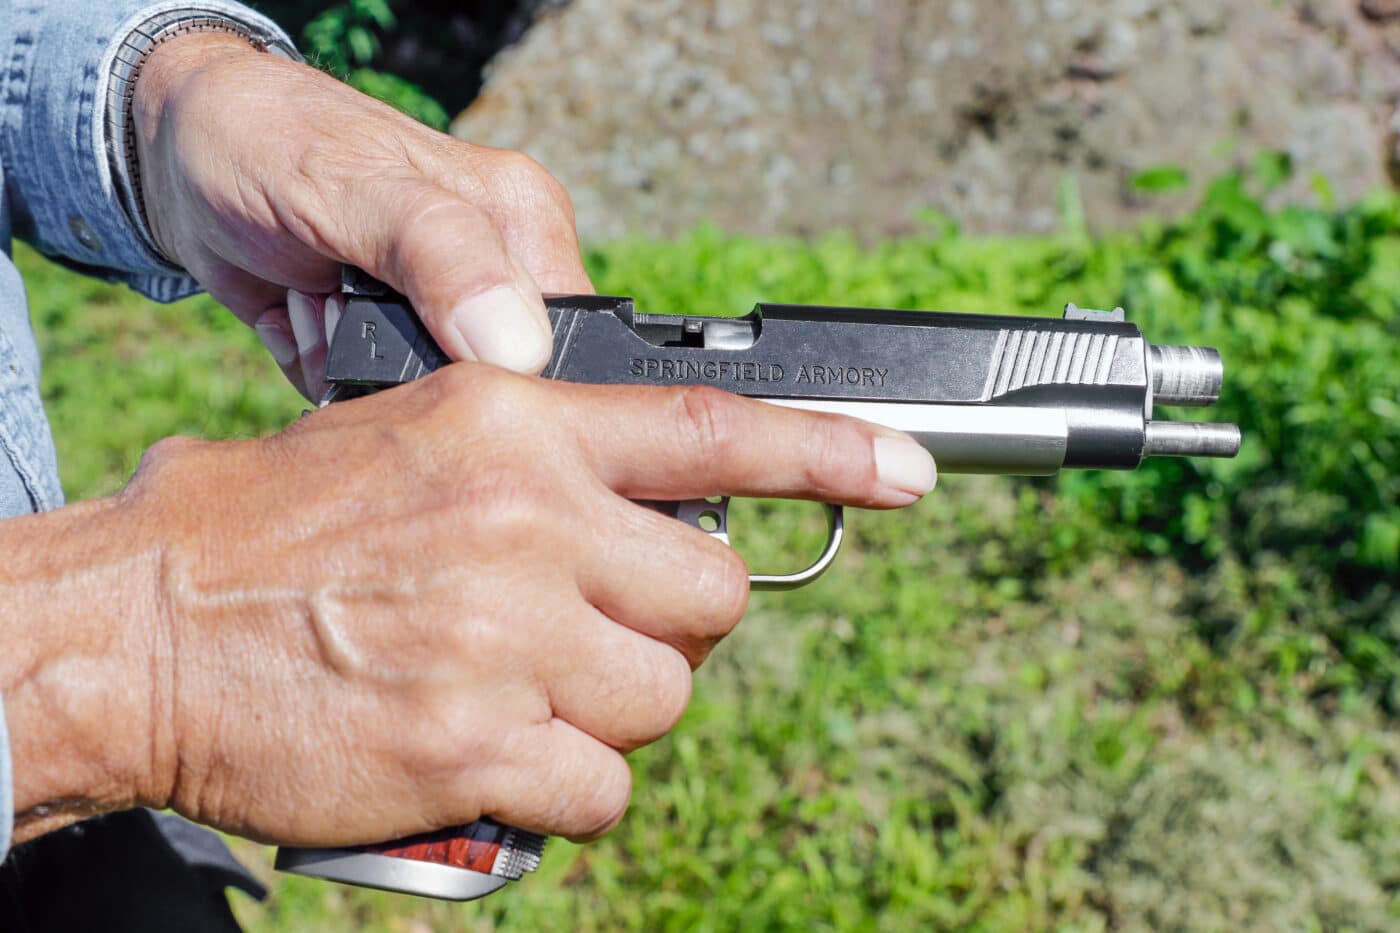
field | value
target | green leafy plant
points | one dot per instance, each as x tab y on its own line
345	36
1161	179
344	40
1303	304
1152	700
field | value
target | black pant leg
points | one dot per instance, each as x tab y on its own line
123	873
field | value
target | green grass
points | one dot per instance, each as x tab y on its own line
1158	701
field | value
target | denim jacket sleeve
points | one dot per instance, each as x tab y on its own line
57	191
61	188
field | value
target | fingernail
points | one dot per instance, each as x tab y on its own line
275	336
302	311
334	305
501	327
903	465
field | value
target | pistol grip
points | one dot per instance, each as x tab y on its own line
460	863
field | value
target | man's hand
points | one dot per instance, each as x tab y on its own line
412	609
260	175
404	611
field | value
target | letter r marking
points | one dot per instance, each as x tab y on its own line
367	333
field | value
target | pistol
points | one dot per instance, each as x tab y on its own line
1004	394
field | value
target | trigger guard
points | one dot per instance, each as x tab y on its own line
694	511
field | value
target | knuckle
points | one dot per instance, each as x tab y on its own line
414	213
550	200
670	695
499	400
439	742
167	451
722	597
518	171
649	699
708	418
426	233
163	459
525	183
729	586
481	399
841	456
446	389
474	423
479	630
559	201
424	224
600	799
506	512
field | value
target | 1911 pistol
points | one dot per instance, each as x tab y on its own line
984	393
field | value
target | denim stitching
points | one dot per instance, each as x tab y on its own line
24	430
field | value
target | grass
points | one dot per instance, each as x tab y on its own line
1010	707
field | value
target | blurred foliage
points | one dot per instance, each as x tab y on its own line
1160	179
1151	700
346	38
425	58
1302	304
345	35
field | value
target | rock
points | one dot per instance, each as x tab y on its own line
798	116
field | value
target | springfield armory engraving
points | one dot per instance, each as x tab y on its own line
842	375
708	370
664	370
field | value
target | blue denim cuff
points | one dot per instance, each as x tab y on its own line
7	797
52	135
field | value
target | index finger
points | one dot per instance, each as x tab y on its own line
689	442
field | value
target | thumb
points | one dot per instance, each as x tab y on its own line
449	258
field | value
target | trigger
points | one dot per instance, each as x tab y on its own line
709	515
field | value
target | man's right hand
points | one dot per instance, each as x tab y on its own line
413	609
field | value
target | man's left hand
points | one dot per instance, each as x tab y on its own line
262	176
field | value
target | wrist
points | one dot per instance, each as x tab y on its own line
80	617
160	84
173	62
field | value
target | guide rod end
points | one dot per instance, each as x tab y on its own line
1191	439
